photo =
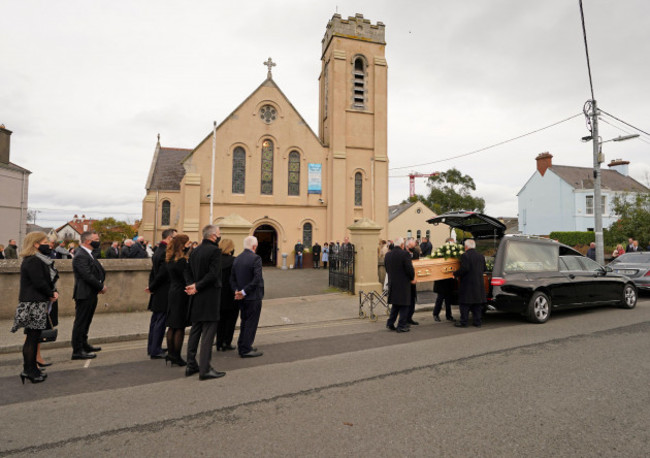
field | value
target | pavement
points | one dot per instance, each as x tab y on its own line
292	297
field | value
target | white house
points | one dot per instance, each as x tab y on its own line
561	197
73	229
410	220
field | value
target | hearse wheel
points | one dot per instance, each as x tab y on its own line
539	308
629	297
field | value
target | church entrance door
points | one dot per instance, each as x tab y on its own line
267	244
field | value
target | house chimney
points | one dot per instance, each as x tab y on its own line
620	166
4	144
544	161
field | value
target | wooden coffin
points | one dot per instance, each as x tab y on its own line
435	269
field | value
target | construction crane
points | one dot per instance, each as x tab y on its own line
412	176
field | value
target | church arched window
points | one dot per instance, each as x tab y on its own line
306	234
294	173
267	167
359	91
358	188
239	171
165	213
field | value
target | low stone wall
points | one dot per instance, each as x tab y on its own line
126	280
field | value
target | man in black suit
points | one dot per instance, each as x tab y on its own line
113	252
630	245
203	276
125	252
138	250
159	289
471	292
414	254
316	253
401	276
425	247
247	282
89	276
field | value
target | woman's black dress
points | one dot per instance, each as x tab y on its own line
229	310
178	305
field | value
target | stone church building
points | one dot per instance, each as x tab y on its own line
272	170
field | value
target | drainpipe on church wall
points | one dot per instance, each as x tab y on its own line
214	152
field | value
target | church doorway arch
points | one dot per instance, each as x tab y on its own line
267	244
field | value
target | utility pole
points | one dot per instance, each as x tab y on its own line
598	200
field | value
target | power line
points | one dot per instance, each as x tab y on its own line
623	130
620	120
488	147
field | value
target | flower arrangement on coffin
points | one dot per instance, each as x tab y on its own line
448	250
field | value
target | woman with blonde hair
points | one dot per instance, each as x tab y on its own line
37	291
229	310
2	251
178	301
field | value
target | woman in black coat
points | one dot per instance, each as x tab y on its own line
37	291
229	311
178	301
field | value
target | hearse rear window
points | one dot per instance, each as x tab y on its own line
530	257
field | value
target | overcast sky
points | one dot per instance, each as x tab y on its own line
86	86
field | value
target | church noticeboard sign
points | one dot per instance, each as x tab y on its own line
314	182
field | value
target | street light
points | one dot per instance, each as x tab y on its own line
598	159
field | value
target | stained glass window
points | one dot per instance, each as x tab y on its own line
294	173
306	235
238	171
267	167
358	201
268	114
165	213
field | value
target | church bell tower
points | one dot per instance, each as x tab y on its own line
353	122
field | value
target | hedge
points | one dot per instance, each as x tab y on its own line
573	238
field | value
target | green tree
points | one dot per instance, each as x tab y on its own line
109	229
634	219
450	191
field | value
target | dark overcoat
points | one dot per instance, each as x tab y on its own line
36	284
470	273
205	270
247	276
89	275
177	299
159	280
227	293
399	268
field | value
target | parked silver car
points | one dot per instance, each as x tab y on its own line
636	266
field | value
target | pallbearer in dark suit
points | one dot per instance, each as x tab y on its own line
471	292
204	279
247	282
229	310
159	289
415	255
89	276
401	275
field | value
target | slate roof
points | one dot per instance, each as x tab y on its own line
168	170
78	225
583	178
395	210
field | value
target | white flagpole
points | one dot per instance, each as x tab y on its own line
214	152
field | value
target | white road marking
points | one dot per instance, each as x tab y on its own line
87	364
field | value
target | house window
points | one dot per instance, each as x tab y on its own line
238	171
603	201
359	91
267	167
418	234
589	205
306	234
358	188
428	234
409	233
294	173
165	213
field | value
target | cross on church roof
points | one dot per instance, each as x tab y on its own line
270	64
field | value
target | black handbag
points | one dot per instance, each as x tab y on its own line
49	335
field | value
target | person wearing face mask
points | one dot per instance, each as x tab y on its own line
176	256
37	290
89	276
203	277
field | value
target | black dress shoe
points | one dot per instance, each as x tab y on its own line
83	355
252	354
159	356
451	318
436	318
458	324
90	349
189	371
403	329
231	347
212	375
391	327
476	325
413	322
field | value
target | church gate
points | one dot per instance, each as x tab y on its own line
341	268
